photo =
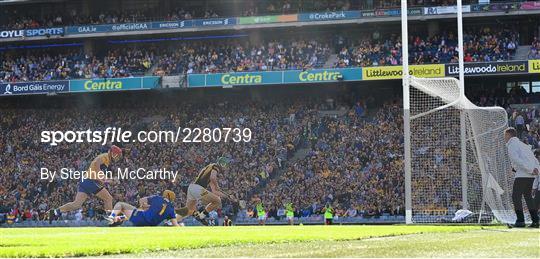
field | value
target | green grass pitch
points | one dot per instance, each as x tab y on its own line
272	241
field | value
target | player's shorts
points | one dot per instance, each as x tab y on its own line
195	192
137	218
89	186
262	217
290	217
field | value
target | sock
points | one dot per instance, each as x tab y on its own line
201	214
534	216
520	216
203	211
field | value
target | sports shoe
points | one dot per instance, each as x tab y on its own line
109	219
116	224
117	221
519	225
114	221
534	225
201	218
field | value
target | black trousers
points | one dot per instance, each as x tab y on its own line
523	188
537	201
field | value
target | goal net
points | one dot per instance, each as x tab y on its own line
458	156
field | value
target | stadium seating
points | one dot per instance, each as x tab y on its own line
350	157
21	18
321	177
238	55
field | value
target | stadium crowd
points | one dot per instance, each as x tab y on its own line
523	115
73	64
238	55
481	45
354	164
534	53
352	156
18	20
22	190
329	174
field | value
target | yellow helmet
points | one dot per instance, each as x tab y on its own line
169	195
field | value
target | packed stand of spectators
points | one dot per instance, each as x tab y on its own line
19	18
490	44
21	21
274	139
501	96
386	4
254	7
354	161
240	56
72	18
534	53
74	64
526	120
482	45
348	166
354	164
521	107
367	52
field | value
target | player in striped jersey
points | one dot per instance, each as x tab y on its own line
198	192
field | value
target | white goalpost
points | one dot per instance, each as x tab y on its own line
455	155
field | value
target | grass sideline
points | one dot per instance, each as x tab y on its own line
70	242
516	243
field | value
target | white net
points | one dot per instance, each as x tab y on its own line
458	155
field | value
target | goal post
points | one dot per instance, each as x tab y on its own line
406	109
454	152
458	157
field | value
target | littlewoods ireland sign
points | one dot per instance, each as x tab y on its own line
511	67
395	72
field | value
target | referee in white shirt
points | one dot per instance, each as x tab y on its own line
526	166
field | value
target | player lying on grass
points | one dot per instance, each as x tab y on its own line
92	185
197	192
152	211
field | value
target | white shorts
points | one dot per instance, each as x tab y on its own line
195	192
290	217
262	217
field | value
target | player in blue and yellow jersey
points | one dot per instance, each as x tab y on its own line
153	210
198	192
93	184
